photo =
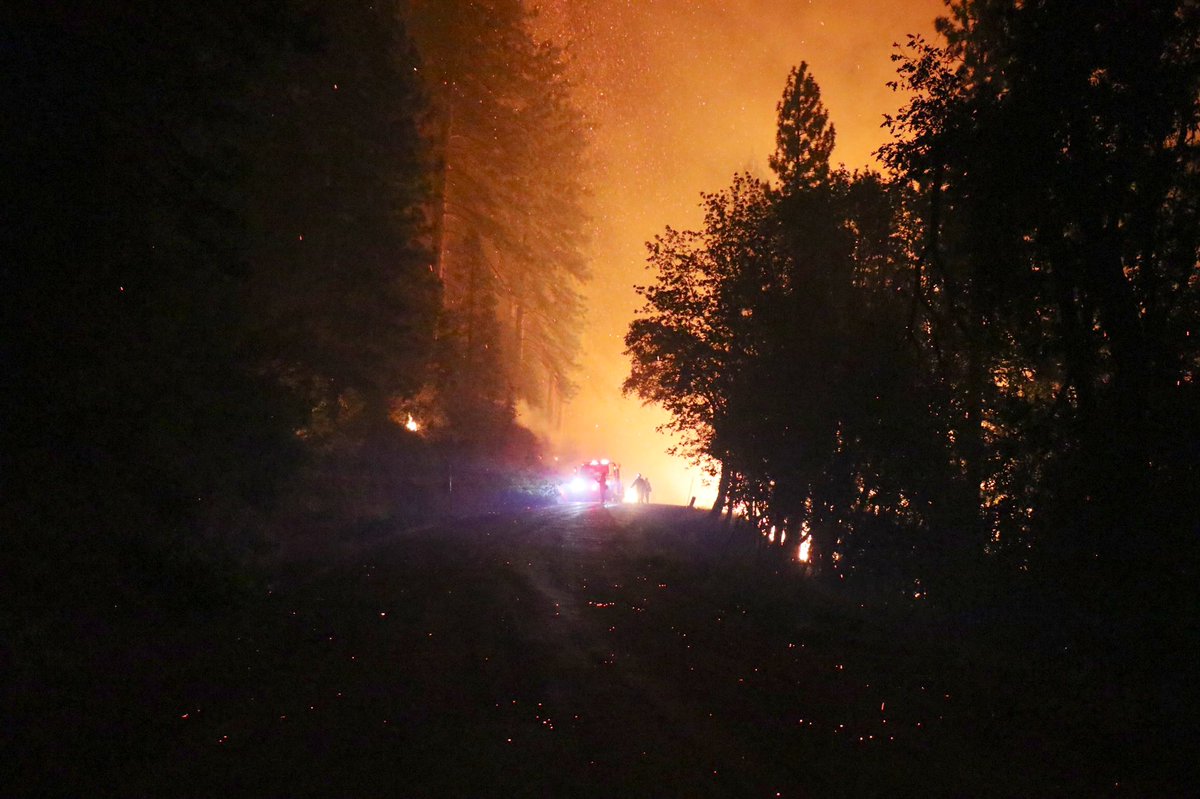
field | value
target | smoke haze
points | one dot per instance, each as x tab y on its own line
683	95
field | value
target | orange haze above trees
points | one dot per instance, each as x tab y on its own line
682	93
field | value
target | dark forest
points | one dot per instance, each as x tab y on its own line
278	274
254	240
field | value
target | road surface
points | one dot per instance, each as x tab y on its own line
569	651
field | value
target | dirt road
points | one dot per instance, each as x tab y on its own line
571	651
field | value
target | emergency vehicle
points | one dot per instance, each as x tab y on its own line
585	484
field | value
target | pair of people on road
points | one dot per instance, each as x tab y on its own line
642	486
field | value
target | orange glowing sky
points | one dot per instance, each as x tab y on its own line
683	94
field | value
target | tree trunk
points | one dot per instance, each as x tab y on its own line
439	222
722	491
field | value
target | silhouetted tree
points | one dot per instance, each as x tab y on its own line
693	334
804	136
1054	152
776	337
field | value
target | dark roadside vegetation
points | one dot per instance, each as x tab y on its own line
237	261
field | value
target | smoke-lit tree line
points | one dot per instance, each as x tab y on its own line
987	354
508	217
246	234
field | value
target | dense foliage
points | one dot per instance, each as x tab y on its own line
987	357
1054	158
776	336
229	273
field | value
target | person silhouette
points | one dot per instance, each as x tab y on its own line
642	486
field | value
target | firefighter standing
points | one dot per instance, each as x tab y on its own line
642	486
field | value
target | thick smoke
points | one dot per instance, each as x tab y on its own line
683	94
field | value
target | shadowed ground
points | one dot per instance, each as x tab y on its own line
572	651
